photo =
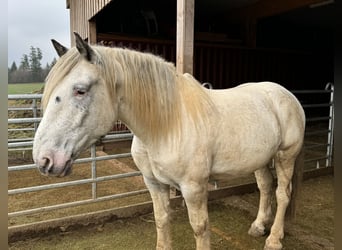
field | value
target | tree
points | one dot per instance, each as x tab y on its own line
13	67
24	64
12	72
30	69
35	65
35	58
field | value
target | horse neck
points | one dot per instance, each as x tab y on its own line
155	100
150	101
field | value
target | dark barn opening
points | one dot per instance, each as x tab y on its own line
294	48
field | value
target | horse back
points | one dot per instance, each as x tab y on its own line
254	122
260	105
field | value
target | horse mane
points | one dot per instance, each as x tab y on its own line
156	92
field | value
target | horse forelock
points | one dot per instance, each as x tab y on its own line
62	68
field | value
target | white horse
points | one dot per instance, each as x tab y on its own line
184	134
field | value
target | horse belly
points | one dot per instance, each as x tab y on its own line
232	168
234	158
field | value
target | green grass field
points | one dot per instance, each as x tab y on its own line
23	88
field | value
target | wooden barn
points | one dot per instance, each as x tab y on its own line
224	42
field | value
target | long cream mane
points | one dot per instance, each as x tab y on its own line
156	93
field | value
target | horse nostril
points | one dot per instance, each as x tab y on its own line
45	165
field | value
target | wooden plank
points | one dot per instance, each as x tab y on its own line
185	36
133	39
81	14
36	229
265	8
318	172
72	22
92	32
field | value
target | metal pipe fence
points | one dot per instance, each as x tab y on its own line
34	108
314	138
318	148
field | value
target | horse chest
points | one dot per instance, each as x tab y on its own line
167	168
175	167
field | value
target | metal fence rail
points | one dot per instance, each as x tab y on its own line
323	150
34	108
327	117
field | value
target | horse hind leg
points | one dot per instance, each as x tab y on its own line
284	164
264	180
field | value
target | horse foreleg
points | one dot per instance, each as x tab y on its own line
196	199
160	194
284	167
264	180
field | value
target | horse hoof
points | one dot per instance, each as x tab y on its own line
256	231
273	246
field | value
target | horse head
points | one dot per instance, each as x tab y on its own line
78	109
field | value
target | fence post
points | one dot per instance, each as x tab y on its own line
34	110
93	170
331	125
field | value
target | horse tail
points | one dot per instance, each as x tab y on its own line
297	180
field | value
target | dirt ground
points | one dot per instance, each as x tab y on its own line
230	219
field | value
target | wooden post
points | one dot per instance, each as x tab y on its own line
185	36
92	39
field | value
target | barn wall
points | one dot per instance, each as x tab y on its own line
80	14
227	66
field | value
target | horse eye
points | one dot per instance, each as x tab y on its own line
58	99
80	90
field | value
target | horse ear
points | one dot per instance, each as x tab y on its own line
84	48
60	49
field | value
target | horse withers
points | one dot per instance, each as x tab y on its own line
184	134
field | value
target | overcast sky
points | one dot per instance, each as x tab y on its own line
35	23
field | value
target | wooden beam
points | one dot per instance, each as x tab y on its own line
265	8
185	36
92	39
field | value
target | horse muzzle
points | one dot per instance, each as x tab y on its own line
54	165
